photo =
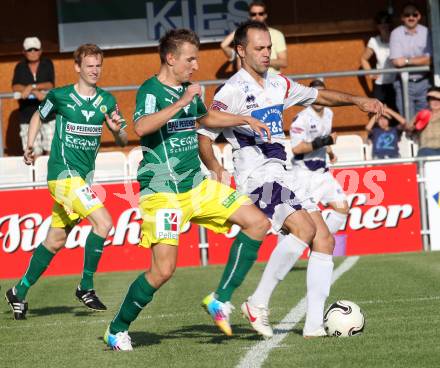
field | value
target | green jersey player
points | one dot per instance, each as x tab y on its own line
81	110
174	191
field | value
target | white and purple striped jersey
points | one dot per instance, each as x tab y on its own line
260	166
305	127
242	94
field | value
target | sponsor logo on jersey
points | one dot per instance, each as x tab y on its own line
98	101
168	223
169	100
87	114
250	102
81	143
272	116
181	125
218	105
46	108
183	144
75	99
84	129
71	106
103	109
230	200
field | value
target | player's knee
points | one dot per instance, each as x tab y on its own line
102	228
261	225
324	243
166	272
307	233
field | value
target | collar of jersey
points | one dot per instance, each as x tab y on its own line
249	78
81	98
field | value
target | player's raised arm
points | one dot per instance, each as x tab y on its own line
116	124
150	123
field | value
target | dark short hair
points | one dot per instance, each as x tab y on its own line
241	33
171	41
410	6
382	17
257	3
317	83
433	89
86	50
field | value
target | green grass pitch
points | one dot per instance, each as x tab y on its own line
399	294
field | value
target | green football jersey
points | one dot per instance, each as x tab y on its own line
78	130
170	155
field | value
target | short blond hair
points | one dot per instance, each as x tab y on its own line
86	50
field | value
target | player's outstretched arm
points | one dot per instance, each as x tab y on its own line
34	127
327	97
221	119
151	123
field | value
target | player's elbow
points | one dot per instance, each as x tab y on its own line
139	129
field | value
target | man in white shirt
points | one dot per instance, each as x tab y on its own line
311	164
260	172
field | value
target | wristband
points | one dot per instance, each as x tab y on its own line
319	142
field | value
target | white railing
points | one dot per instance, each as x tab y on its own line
404	75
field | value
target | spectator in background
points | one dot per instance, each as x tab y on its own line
410	45
379	46
426	124
278	56
384	135
33	77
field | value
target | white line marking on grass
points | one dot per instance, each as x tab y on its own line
403	300
259	352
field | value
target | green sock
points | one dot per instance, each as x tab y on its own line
37	265
92	255
242	256
139	294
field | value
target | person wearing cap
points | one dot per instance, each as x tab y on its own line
426	125
33	77
410	45
385	134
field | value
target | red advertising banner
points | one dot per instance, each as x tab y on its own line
25	217
384	214
384	218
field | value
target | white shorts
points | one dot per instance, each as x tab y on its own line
322	186
43	140
278	193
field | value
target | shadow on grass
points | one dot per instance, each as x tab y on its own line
46	311
205	333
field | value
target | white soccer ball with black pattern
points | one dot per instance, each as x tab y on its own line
344	318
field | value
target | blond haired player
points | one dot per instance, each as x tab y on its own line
81	111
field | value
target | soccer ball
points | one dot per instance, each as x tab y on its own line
344	318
